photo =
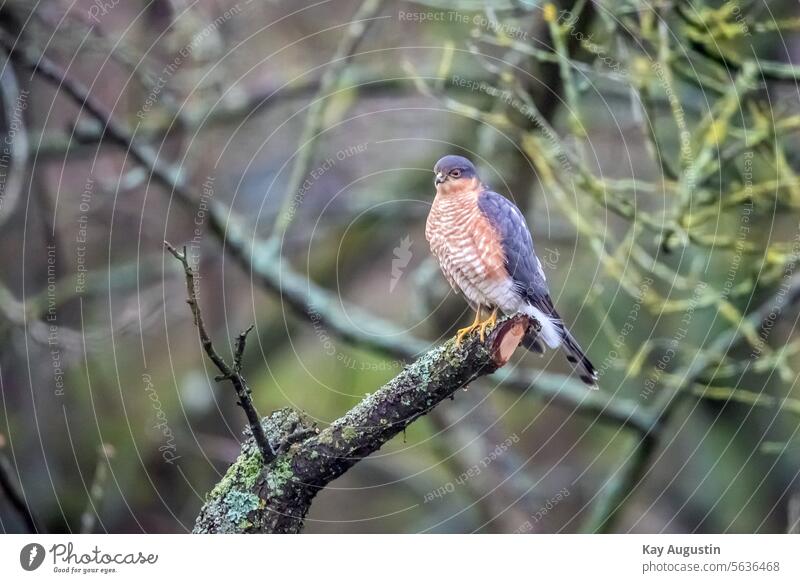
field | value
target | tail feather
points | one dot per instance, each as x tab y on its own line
553	332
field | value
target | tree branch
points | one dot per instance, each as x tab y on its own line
275	499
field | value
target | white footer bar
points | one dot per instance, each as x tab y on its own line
401	558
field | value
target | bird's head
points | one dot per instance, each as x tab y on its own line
455	174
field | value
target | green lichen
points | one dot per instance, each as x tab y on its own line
250	469
280	473
349	433
242	474
223	486
239	504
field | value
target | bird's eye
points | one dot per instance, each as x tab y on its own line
455	173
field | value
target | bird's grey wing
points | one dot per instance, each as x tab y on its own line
522	264
529	281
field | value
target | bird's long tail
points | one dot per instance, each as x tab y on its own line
553	332
575	355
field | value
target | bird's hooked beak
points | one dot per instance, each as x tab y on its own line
440	178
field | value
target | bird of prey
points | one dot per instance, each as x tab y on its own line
486	252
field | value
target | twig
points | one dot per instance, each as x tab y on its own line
12	492
97	489
232	374
240	345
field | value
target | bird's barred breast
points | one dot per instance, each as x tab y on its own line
469	252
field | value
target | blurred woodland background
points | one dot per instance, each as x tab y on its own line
651	145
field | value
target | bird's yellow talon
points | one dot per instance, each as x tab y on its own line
477	324
465	331
488	322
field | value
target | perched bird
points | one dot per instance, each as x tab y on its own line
486	252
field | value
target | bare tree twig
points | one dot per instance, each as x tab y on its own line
232	374
241	340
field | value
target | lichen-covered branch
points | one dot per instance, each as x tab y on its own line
252	498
